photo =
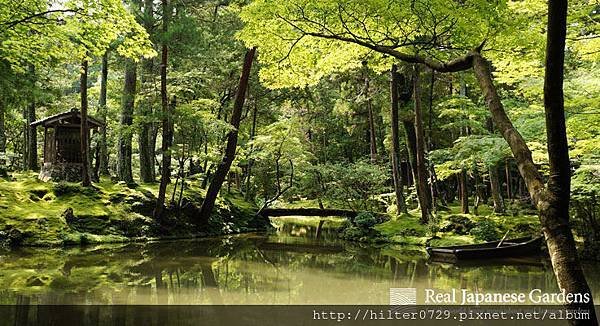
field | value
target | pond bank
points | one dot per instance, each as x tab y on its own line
36	213
449	227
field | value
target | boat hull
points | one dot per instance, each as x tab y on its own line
519	247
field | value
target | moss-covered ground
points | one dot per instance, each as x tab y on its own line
39	213
447	227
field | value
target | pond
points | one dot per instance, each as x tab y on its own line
289	266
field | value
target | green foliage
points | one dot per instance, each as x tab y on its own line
292	57
365	220
485	230
354	185
468	153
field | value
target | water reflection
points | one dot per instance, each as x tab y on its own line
291	266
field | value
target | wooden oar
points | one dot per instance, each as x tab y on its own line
503	238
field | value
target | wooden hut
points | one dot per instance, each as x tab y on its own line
62	145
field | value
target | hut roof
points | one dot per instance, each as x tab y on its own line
70	117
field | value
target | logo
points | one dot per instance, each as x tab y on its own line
403	296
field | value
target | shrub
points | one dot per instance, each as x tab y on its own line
365	220
485	231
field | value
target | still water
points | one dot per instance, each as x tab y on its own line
289	266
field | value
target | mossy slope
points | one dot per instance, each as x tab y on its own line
39	213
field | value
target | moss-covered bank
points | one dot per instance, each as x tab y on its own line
448	227
36	213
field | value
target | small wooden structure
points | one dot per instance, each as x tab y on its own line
62	145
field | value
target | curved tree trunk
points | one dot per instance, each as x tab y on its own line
223	169
552	203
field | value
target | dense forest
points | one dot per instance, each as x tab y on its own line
423	122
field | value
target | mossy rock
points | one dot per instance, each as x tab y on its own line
458	224
38	280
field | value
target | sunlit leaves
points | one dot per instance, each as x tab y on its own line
292	56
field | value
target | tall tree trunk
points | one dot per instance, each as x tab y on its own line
3	161
223	168
251	161
554	213
552	202
165	173
478	189
464	192
396	174
411	149
371	121
2	127
86	180
102	110
145	138
32	161
127	104
495	189
25	137
508	179
422	175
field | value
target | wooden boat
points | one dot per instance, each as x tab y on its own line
518	247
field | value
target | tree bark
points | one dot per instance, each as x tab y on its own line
251	161
102	110
554	213
396	174
223	168
371	121
127	104
554	205
32	159
464	192
165	174
422	175
86	179
145	138
2	127
495	189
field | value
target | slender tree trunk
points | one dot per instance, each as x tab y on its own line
422	175
25	165
32	161
223	168
411	148
102	110
396	174
86	180
251	161
478	190
2	127
495	189
3	162
554	213
464	192
371	118
145	138
127	104
508	179
165	174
